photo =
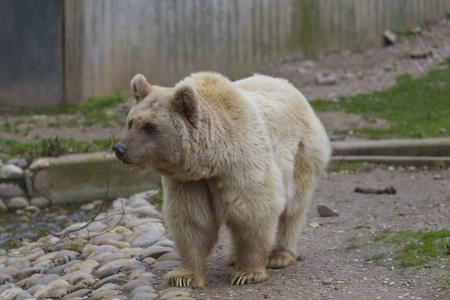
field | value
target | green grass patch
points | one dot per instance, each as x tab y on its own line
415	107
156	200
71	123
336	167
53	147
417	248
401	31
60	110
92	110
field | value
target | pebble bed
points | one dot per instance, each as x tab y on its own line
123	254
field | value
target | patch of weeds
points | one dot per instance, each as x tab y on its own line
418	248
401	31
60	110
376	258
52	124
71	123
446	61
414	107
156	200
7	127
92	109
352	244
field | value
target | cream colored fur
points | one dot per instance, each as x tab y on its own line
246	154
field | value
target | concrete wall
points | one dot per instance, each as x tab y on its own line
106	42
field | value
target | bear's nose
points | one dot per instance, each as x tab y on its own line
119	150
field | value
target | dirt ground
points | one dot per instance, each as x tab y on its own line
337	256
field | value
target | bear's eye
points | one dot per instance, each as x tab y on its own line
149	128
130	124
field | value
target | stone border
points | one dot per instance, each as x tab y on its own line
124	254
394	160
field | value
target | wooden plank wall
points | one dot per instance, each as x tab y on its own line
97	46
30	53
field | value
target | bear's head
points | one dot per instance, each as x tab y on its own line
161	127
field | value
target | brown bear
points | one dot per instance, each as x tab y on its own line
246	154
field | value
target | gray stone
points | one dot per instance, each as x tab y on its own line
12	161
133	266
55	289
108	272
173	294
16	203
100	240
170	256
40	202
10	294
325	211
155	251
140	290
11	172
9	271
41	281
27	272
104	294
137	203
165	243
10	190
145	239
7	286
42	182
165	264
116	263
323	79
39	164
35	288
389	37
107	257
75	277
22	163
119	279
3	207
24	296
80	293
4	278
130	286
59	270
103	249
145	296
20	264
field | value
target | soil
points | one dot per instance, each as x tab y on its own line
336	257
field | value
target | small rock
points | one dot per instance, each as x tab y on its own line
59	270
39	164
325	211
437	177
389	37
87	250
42	182
10	190
24	296
145	296
327	281
133	266
149	260
101	239
165	264
55	289
174	294
40	202
27	272
19	264
16	203
22	163
74	245
314	225
107	257
155	251
108	272
325	79
4	278
140	290
87	206
80	293
11	172
170	256
132	285
78	276
420	53
9	271
103	249
87	264
41	281
104	294
119	279
10	294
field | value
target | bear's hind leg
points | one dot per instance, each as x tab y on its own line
308	168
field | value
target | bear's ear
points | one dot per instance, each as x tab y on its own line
140	88
185	103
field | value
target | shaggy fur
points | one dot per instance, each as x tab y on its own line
246	154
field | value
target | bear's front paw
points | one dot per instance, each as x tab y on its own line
280	259
248	276
184	278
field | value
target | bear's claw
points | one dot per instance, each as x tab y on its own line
243	277
180	282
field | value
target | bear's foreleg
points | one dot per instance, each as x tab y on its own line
194	229
253	240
